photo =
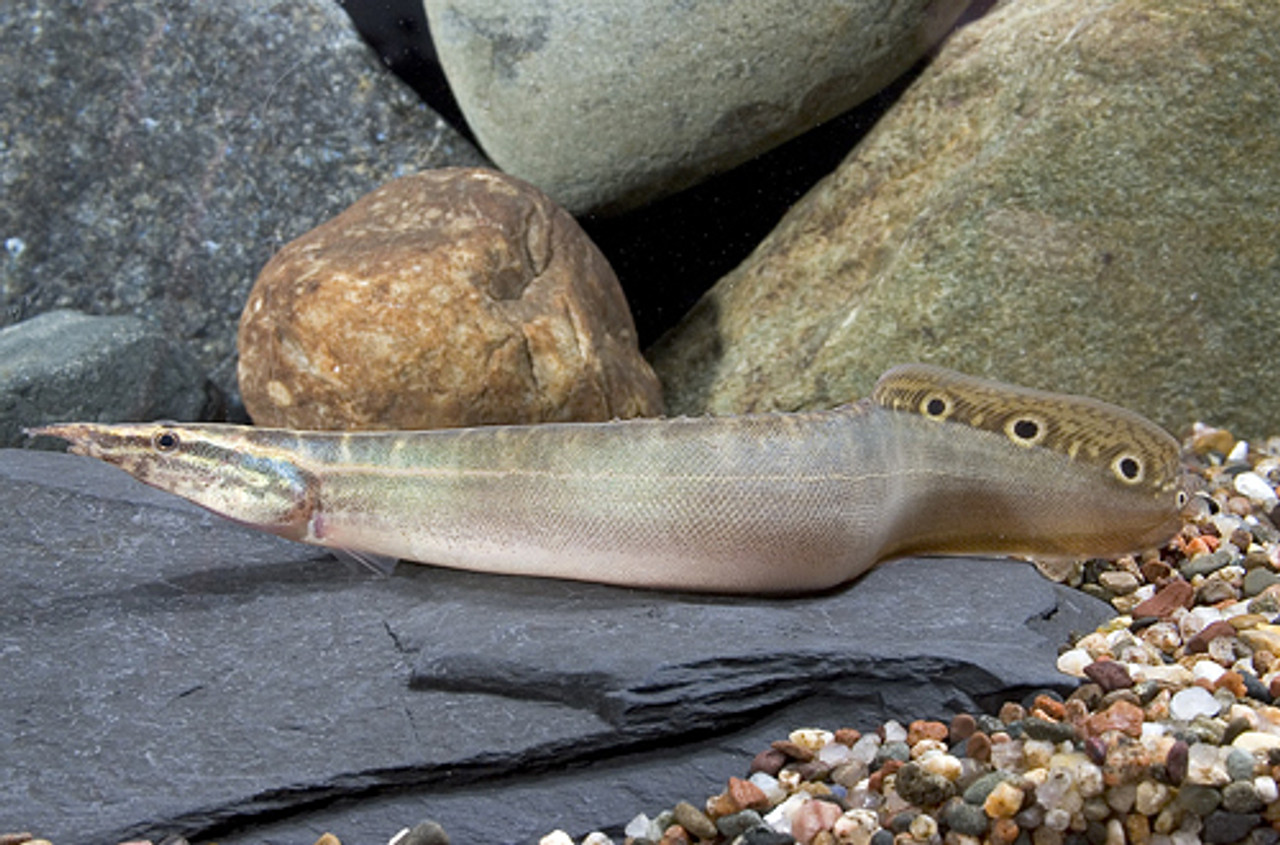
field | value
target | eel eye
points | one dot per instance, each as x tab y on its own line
165	441
1127	468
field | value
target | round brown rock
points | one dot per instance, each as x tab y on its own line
451	297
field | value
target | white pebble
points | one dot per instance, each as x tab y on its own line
856	827
894	732
835	754
1184	837
923	828
1057	819
1265	786
1255	741
779	817
556	837
1089	779
1206	764
1120	798
1172	675
943	764
1197	619
864	750
927	746
595	837
770	786
641	827
1239	453
811	738
1072	662
1207	670
1193	701
1257	488
1151	797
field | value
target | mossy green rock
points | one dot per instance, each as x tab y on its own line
1079	195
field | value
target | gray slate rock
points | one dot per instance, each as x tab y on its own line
607	105
64	365
167	671
157	153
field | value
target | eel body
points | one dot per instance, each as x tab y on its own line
934	462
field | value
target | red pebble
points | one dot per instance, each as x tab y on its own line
1167	599
1109	675
770	761
924	729
1199	644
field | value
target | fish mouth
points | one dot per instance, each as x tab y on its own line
82	438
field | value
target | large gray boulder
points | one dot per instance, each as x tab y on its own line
606	105
166	671
157	152
1079	195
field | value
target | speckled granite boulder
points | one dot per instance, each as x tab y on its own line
458	296
63	365
605	105
1081	195
156	153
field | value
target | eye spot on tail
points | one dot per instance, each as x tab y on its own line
1025	429
1127	468
937	406
165	441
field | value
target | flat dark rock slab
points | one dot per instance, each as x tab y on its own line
168	671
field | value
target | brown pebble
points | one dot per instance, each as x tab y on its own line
1109	675
1012	711
1175	762
747	795
1076	711
876	781
1049	706
1123	716
848	736
1096	749
721	805
694	820
925	729
675	835
1127	762
793	750
1167	599
810	769
1156	571
1137	829
962	727
979	747
1199	644
327	838
1206	439
770	761
1090	694
15	838
1274	687
1004	831
1232	680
